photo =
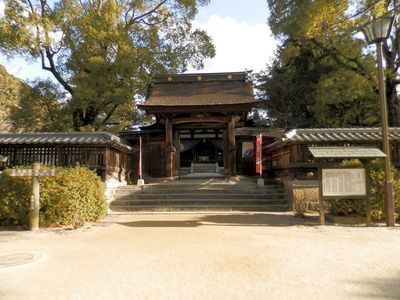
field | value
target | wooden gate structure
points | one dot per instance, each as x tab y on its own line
194	112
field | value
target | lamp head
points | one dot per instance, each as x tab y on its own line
378	30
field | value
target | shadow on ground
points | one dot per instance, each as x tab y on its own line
13	228
256	219
380	288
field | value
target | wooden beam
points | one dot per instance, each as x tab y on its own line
200	126
232	146
199	119
226	154
169	147
177	156
248	131
106	162
240	108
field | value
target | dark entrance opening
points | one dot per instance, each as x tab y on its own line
202	151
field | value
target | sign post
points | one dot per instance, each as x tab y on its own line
35	173
35	198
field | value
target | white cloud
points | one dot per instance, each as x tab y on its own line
239	46
2	7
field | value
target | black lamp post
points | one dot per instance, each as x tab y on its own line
376	32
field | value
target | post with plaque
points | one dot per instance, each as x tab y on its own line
338	182
35	173
343	183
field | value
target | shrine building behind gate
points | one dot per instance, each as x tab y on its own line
200	119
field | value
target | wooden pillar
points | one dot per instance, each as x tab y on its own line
177	156
368	187
226	153
35	202
106	162
232	146
321	201
168	147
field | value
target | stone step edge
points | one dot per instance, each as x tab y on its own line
199	187
194	205
208	209
217	202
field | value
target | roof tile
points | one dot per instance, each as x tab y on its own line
84	138
346	152
202	92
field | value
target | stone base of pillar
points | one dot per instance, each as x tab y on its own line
140	182
260	182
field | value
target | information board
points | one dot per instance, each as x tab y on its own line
343	182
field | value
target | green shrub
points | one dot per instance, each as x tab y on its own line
14	200
377	185
71	198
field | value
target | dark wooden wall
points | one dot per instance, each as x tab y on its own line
154	158
245	166
103	159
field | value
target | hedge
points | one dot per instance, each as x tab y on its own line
71	198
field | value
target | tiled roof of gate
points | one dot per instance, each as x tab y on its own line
65	138
346	152
315	135
200	89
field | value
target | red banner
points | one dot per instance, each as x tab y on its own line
140	158
258	154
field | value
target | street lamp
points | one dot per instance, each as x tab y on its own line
376	32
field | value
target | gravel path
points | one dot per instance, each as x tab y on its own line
204	256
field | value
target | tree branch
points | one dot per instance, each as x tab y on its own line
53	70
109	114
146	14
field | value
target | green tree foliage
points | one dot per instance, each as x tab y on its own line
345	99
339	85
103	52
40	108
9	97
287	87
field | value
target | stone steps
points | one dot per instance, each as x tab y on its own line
200	195
197	186
215	208
204	168
202	191
202	202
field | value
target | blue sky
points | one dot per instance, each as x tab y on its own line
238	29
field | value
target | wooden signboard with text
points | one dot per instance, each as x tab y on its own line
343	183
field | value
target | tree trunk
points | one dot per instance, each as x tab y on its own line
82	118
392	102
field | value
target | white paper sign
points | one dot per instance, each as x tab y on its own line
343	182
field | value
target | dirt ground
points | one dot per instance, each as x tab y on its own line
205	256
